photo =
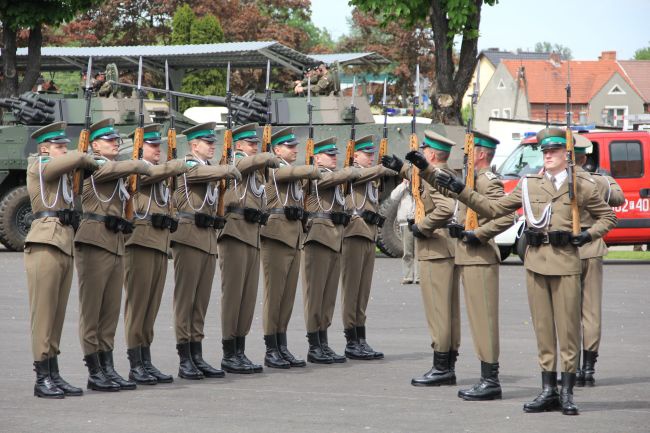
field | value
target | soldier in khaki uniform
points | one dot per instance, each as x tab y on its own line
358	256
553	266
239	248
478	257
439	277
194	248
48	252
146	258
280	246
99	248
322	246
592	268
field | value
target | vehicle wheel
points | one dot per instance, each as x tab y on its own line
14	208
520	246
504	251
389	237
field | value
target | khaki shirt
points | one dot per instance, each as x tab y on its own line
105	198
54	173
547	259
438	211
282	187
323	230
194	190
360	199
153	198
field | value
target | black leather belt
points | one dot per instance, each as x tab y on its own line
203	220
67	217
276	211
338	218
251	215
45	213
557	238
112	222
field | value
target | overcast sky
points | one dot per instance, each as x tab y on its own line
587	27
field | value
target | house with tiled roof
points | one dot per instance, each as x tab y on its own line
602	92
638	71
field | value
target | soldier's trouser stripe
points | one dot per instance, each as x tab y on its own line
321	269
554	302
193	276
146	269
357	266
281	266
101	275
49	276
592	299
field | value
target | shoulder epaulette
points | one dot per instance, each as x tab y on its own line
100	159
191	163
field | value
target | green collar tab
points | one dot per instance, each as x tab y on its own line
282	139
198	134
102	131
478	141
324	148
50	135
244	134
364	145
438	145
150	135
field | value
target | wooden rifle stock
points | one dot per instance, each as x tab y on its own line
266	138
575	212
383	151
138	140
171	154
415	183
82	147
471	219
225	159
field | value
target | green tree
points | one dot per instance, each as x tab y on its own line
188	29
448	19
547	47
642	54
30	16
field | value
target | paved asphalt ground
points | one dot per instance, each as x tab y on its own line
353	397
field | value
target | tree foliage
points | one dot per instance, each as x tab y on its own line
447	19
547	47
642	53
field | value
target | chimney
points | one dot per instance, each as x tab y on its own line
607	55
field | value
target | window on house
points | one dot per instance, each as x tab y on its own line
616	90
626	159
507	113
501	85
495	113
615	116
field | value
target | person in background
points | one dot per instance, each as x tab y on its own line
405	212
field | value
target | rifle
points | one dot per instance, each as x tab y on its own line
471	218
84	135
138	141
383	143
571	159
171	132
349	151
413	145
227	153
309	151
266	135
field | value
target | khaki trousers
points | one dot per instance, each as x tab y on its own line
281	265
240	275
320	273
439	281
101	276
357	265
554	302
592	302
409	261
481	288
193	275
146	269
49	276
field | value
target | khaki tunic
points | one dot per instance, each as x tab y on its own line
280	246
239	248
98	255
358	255
553	273
194	249
49	250
439	277
322	248
146	255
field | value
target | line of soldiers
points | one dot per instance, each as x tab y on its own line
315	217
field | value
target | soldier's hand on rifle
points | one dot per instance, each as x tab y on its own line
583	238
415	230
143	168
233	173
417	159
178	166
392	162
89	163
449	181
274	162
470	238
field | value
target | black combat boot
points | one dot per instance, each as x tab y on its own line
327	350
186	367
353	349
44	386
361	334
273	358
453	356
196	349
566	394
231	362
138	373
240	346
97	380
549	399
284	351
585	377
316	353
488	387
68	390
440	373
106	361
161	377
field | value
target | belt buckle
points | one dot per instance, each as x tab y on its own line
545	239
